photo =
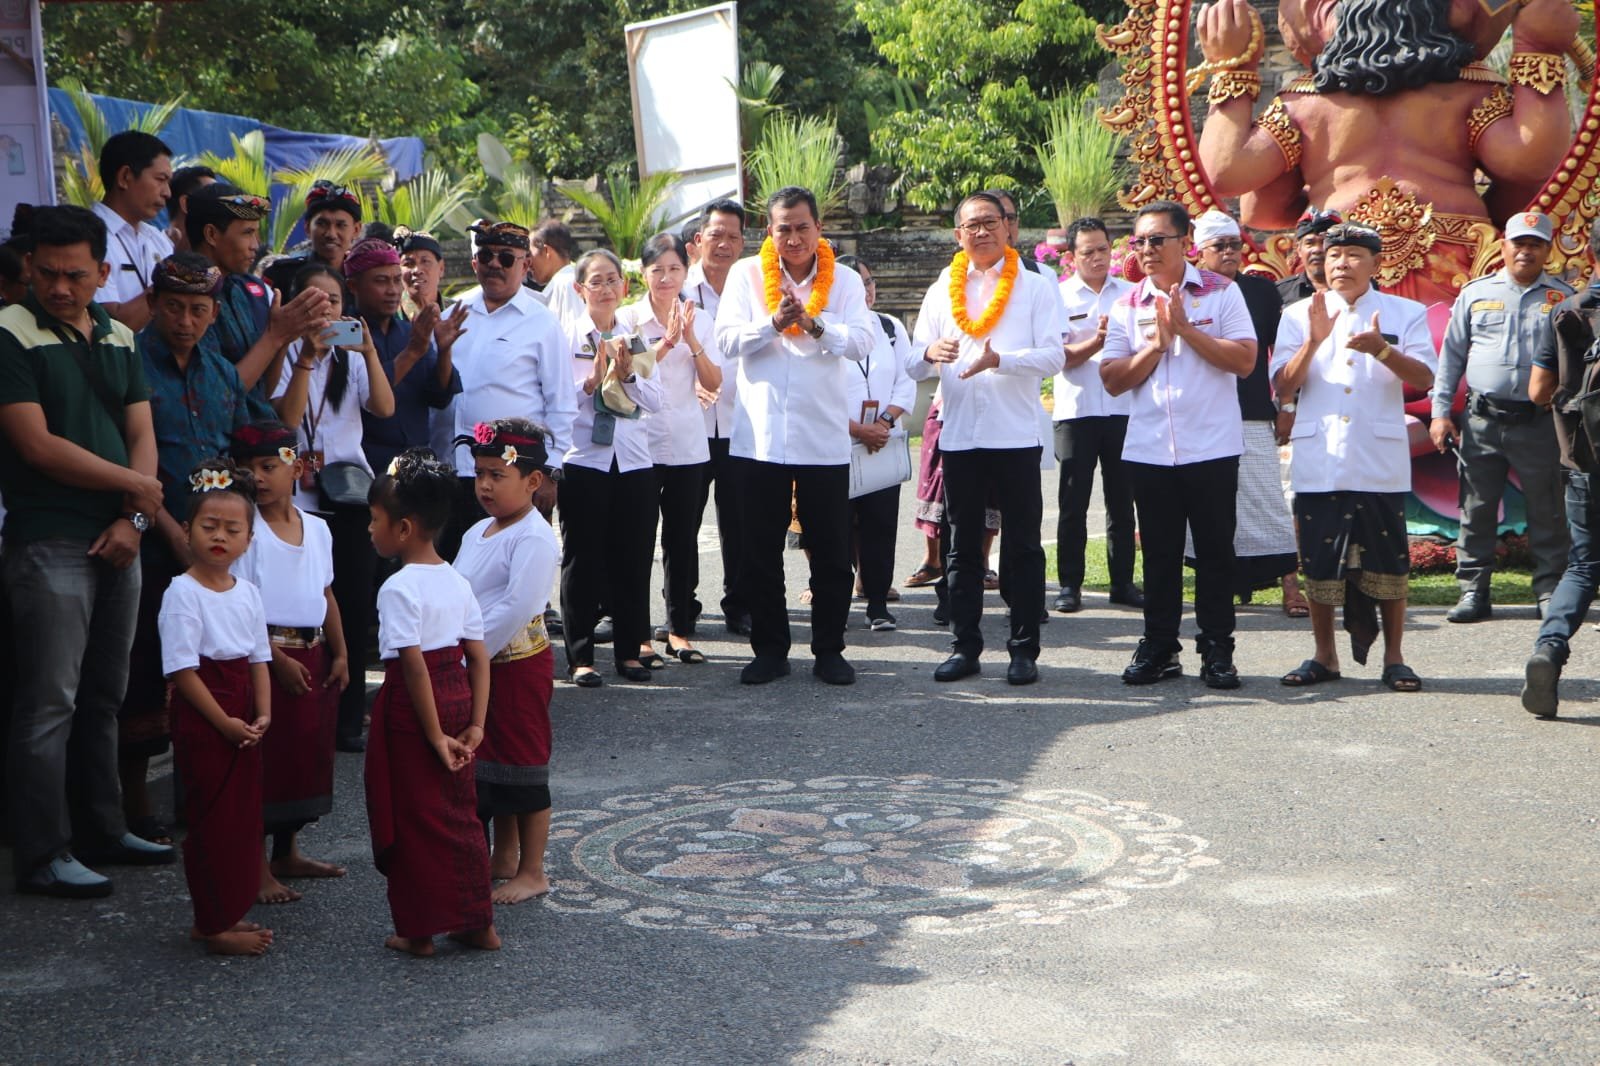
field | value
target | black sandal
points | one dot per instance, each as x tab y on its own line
690	656
588	679
1309	672
1401	678
652	661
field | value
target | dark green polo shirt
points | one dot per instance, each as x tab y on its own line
36	366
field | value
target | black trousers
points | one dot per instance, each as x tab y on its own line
608	532
1081	444
1200	497
821	495
355	565
875	518
722	475
682	499
1012	475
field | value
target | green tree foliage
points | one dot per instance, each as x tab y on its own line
986	71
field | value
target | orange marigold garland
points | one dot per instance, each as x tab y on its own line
820	286
997	302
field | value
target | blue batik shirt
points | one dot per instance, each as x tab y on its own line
194	408
242	312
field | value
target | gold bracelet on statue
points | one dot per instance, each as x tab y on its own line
1281	128
1543	72
1232	84
1496	106
1252	53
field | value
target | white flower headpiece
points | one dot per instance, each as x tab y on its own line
210	480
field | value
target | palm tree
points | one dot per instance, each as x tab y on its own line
425	203
629	213
80	179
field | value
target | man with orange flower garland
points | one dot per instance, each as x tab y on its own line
787	318
1178	343
992	333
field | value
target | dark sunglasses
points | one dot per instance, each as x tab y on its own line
507	260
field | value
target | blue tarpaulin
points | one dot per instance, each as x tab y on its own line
192	132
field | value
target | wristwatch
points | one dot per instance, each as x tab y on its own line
554	474
890	419
816	329
1286	408
139	520
1383	356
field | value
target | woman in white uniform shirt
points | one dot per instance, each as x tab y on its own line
322	393
608	493
686	356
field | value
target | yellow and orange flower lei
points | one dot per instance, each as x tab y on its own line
820	286
997	302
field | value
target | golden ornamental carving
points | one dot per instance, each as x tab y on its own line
1406	224
1496	106
1543	72
1280	127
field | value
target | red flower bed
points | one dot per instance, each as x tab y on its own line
1430	556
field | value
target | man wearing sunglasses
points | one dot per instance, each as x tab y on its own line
252	326
1178	343
513	359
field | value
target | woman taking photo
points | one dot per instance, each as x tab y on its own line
323	389
680	338
608	491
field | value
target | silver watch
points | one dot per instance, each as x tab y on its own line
139	520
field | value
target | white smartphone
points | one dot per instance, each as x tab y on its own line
343	333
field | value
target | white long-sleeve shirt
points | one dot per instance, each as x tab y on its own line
718	416
676	431
997	408
790	405
630	442
511	572
513	363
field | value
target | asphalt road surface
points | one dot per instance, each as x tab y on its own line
905	872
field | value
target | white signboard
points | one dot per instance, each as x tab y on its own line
26	175
682	70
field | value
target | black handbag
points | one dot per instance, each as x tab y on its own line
344	485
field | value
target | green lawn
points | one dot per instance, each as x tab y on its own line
1428	590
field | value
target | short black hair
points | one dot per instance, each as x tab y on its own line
660	245
594	254
724	207
1087	224
1176	213
987	197
206	209
11	262
794	196
1005	194
133	149
186	180
420	488
854	262
66	225
553	233
689	231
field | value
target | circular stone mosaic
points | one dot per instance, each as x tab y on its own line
832	858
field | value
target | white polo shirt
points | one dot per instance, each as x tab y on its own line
630	441
1079	392
1187	410
1350	422
677	431
998	408
132	253
513	364
790	405
560	295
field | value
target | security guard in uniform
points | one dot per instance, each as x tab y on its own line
1499	324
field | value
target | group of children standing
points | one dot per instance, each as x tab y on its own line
460	737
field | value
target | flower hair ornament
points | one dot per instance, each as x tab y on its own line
511	447
287	456
510	455
209	480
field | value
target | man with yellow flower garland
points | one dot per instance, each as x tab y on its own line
992	332
1178	343
787	319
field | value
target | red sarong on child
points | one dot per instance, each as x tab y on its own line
426	837
516	735
221	800
297	752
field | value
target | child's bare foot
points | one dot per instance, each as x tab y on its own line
421	947
485	939
246	938
242	927
273	890
521	887
297	865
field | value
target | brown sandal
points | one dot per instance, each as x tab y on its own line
923	576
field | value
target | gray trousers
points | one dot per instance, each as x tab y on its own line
1489	451
74	619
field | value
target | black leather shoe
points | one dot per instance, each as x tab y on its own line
738	625
352	745
1540	677
831	668
604	631
1217	670
1129	595
552	624
763	669
1069	600
1022	671
634	673
588	679
1149	666
1472	607
956	667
